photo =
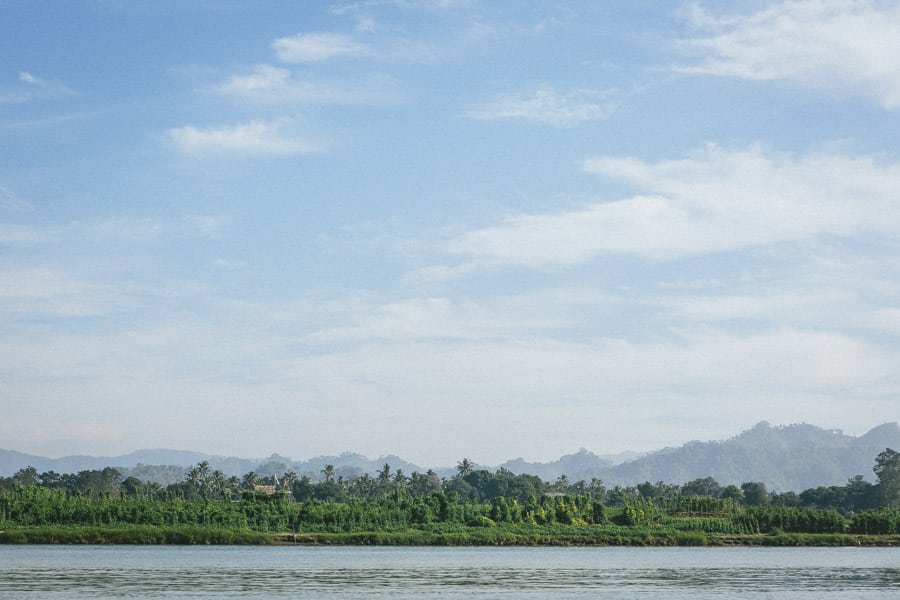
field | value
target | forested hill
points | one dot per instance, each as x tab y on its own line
789	458
168	466
580	465
785	458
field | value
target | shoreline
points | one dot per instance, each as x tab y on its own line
476	537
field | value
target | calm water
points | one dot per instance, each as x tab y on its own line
447	573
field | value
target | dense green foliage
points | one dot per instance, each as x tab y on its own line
475	506
36	514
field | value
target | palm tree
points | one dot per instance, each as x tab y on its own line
249	480
465	467
288	479
328	472
217	483
152	489
363	486
562	483
193	476
232	484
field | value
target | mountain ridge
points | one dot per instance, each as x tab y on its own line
785	457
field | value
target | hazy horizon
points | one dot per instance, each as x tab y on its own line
445	228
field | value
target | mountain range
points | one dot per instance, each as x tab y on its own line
785	458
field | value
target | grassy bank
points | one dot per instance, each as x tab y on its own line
30	514
605	536
501	538
136	534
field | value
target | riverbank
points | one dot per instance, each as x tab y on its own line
198	535
490	538
134	535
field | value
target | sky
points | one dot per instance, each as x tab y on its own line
445	228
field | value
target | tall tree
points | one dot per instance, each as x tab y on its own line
192	475
26	476
860	494
249	480
218	484
887	469
203	472
706	486
465	467
755	493
288	480
598	489
52	479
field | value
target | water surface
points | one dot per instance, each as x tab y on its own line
166	572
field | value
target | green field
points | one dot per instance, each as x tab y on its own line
31	514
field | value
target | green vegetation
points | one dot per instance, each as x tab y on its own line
474	507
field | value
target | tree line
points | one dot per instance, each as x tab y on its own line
469	484
423	508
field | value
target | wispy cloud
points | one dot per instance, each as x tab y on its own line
123	229
48	121
844	46
27	234
717	200
36	292
316	47
262	78
204	225
31	87
128	229
546	105
268	84
253	138
228	264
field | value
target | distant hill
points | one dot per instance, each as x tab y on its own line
348	464
792	457
168	466
157	465
581	465
785	458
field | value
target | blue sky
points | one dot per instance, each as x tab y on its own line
445	228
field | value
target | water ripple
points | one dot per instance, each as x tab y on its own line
228	582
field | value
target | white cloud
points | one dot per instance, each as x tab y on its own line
546	105
641	225
443	319
263	78
253	138
408	389
399	369
805	304
204	225
849	47
39	292
784	372
276	85
717	200
316	47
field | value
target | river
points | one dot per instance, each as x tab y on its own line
167	572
